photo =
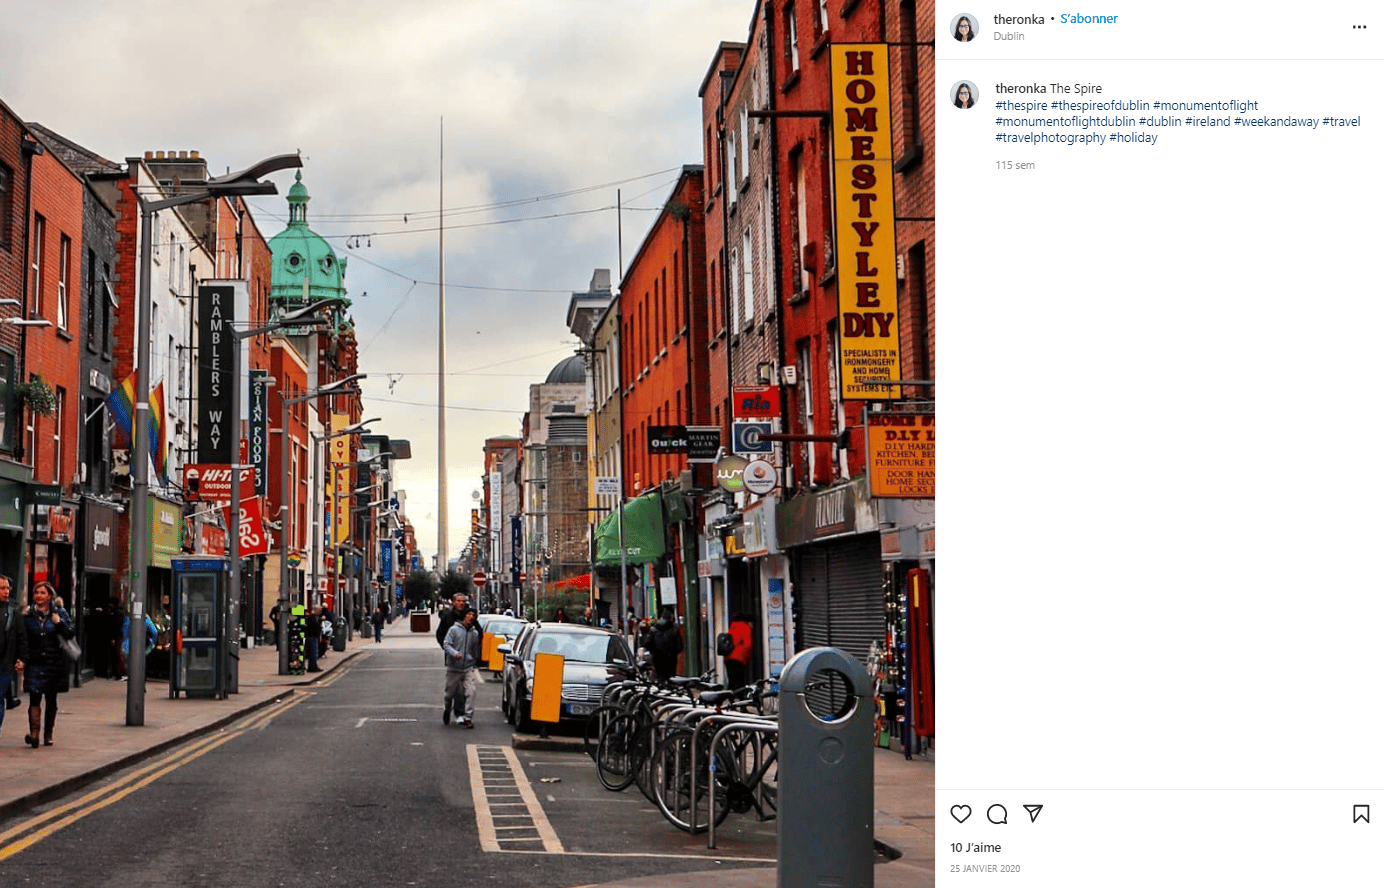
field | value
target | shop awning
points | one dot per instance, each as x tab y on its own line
580	581
644	534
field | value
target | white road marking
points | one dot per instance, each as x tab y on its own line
489	808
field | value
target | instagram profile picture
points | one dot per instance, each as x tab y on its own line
964	28
964	94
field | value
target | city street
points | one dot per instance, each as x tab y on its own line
357	781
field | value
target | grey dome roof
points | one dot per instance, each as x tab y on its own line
571	369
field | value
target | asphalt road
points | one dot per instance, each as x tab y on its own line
356	781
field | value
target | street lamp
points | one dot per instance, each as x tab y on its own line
241	183
339	387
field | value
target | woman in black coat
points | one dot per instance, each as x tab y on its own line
46	672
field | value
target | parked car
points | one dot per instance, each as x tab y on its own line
505	629
592	658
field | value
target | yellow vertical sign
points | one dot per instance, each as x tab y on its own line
340	446
547	687
863	163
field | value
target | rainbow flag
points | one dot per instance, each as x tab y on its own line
158	433
121	405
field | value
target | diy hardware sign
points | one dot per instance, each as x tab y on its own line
863	160
901	455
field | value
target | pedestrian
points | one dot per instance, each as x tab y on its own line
560	616
462	648
151	637
377	620
46	671
585	618
324	616
312	634
741	652
274	618
450	616
14	648
327	620
665	643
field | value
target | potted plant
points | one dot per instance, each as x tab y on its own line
36	395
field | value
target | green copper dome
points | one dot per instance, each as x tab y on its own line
306	268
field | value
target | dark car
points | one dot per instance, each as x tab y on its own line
592	658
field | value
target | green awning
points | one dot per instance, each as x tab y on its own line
644	535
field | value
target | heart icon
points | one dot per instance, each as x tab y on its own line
960	812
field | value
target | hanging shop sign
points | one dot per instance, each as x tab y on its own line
730	471
703	443
863	159
216	345
253	539
667	439
760	477
259	430
100	538
756	402
747	437
901	454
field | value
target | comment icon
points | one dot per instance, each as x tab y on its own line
997	814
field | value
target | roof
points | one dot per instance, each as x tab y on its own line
571	369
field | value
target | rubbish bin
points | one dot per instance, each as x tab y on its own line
826	772
419	621
339	634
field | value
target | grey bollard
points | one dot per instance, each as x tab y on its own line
826	789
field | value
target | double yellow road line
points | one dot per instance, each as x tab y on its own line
35	829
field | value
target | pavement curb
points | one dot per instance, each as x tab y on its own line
547	744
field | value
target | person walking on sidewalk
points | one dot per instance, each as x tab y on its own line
665	643
151	638
462	648
377	620
312	631
46	672
14	648
742	650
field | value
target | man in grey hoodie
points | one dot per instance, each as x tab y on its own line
462	650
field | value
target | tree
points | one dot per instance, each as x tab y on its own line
452	583
419	589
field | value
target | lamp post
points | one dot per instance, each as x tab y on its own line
339	387
241	183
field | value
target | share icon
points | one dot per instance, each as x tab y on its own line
1033	812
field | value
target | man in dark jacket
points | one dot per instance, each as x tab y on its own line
665	643
14	646
450	616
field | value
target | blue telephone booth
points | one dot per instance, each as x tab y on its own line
204	662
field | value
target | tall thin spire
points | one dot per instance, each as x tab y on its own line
442	548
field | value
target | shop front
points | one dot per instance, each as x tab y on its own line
98	615
165	544
832	537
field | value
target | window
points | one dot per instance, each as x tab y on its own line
822	23
732	167
790	41
90	296
40	235
747	251
64	273
908	36
766	217
60	396
6	204
107	304
6	398
733	270
30	436
744	143
798	221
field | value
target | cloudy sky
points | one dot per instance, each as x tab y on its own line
547	108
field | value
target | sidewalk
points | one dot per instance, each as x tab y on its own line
92	740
